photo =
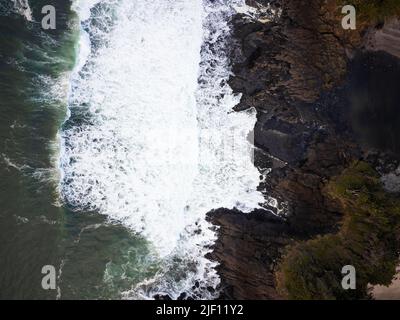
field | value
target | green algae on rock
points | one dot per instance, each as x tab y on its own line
368	239
376	10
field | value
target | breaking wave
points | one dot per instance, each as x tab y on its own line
151	140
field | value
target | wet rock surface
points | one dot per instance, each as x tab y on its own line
247	247
295	70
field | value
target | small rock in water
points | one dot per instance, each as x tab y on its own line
182	296
211	289
162	297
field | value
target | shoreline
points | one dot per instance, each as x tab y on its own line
297	72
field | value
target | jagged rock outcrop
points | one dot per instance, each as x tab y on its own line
293	71
247	248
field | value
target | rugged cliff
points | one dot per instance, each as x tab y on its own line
307	77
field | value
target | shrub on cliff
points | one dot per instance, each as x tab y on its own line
368	240
376	10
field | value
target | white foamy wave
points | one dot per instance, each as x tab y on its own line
150	143
83	7
259	12
22	7
226	178
123	163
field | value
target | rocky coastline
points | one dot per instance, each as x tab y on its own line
307	78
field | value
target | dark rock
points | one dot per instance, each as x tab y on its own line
183	296
292	70
162	297
246	248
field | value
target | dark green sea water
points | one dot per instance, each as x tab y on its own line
116	139
93	258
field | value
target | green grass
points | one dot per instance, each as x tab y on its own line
376	10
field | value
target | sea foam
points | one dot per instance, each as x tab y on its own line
152	141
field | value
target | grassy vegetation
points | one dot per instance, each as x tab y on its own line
375	10
368	240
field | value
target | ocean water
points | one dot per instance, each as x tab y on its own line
33	105
117	137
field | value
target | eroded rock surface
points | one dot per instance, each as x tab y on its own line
294	71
